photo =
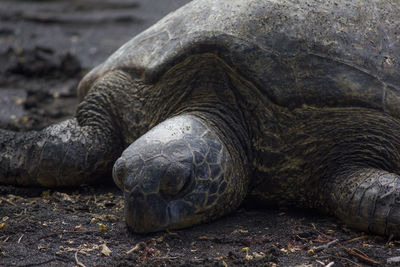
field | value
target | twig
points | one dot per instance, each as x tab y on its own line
8	201
169	233
357	238
42	263
77	261
362	256
165	258
301	238
346	259
327	245
19	239
136	247
321	233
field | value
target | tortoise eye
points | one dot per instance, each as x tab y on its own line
176	180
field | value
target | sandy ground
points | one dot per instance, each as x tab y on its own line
45	48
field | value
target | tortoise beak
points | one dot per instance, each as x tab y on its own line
144	214
151	213
153	191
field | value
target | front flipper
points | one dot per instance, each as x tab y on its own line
367	199
178	174
74	152
63	154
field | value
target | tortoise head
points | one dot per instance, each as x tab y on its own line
178	174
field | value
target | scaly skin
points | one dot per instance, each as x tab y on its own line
61	155
368	199
309	114
73	152
342	161
179	174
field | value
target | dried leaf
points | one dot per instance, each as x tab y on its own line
105	250
102	227
79	228
203	237
104	218
42	247
159	239
63	197
258	255
46	194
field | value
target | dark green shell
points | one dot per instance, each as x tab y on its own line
318	53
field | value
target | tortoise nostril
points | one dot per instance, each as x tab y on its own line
175	180
119	171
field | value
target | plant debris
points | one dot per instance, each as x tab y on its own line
46	47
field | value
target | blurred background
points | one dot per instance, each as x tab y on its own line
46	46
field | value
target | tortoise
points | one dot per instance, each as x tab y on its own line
282	102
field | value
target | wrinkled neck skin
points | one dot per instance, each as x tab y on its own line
193	165
201	84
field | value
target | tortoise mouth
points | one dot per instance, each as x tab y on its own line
152	213
145	214
154	196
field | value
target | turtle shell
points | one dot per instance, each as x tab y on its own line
317	53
